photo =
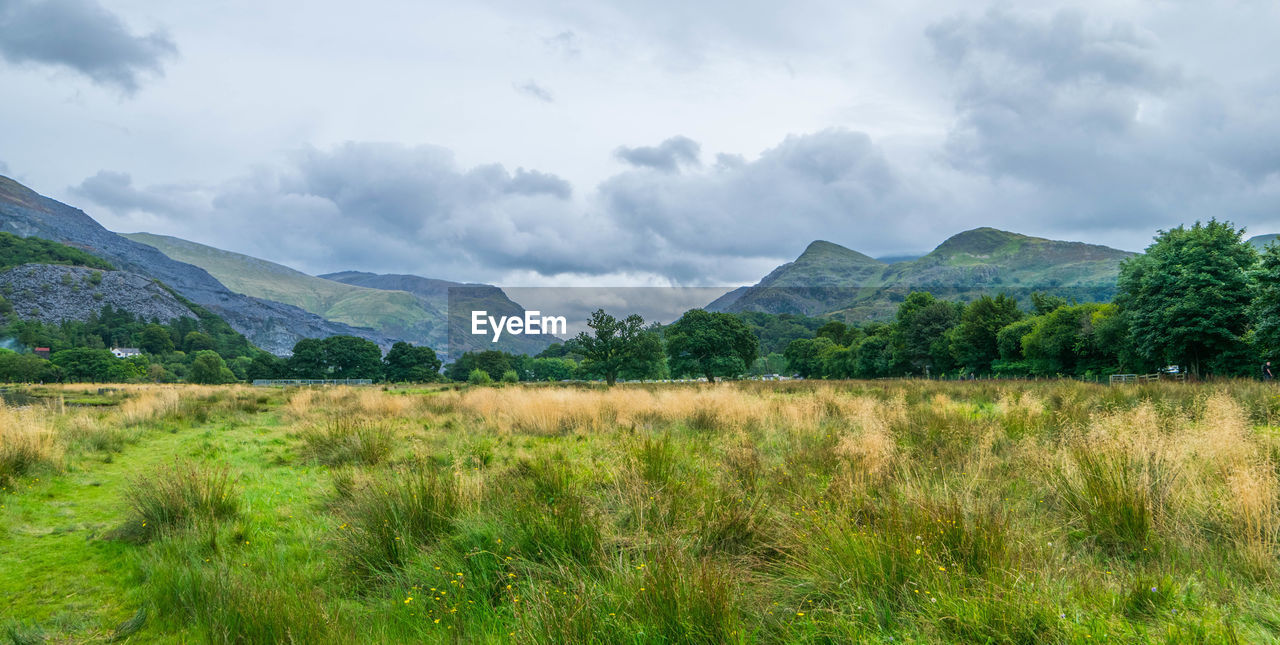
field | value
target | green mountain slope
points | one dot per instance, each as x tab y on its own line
1260	242
397	314
830	279
401	307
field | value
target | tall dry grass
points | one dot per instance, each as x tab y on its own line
27	442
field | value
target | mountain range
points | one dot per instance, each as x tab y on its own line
274	306
829	279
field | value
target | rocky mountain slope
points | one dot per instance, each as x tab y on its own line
830	279
53	294
270	325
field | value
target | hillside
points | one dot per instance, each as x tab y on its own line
273	326
396	314
52	294
830	279
1260	242
454	300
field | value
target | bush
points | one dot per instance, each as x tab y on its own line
391	517
176	496
510	376
344	440
479	377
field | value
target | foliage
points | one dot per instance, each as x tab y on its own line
920	340
336	357
209	369
973	340
410	363
1264	310
16	250
479	377
616	346
710	344
1186	298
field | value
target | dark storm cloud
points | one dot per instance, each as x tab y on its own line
83	36
1099	126
534	91
370	205
834	183
667	156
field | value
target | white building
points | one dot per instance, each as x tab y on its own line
126	352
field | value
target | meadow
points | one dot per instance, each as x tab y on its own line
806	512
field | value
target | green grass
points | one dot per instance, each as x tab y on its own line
998	513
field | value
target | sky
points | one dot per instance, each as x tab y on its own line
639	144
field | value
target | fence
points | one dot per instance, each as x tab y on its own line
286	382
1146	378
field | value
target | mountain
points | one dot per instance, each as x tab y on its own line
270	325
830	279
54	293
394	313
457	300
1260	242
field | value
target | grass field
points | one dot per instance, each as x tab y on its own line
984	512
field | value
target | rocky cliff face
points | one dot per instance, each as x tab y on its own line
54	293
270	325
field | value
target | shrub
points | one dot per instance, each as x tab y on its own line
345	440
479	377
392	516
510	376
176	496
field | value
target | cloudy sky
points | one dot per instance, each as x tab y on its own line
624	143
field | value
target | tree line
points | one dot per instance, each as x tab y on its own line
1199	298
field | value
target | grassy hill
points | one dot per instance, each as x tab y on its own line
1260	242
395	313
830	279
402	307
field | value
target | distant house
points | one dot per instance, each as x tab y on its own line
42	352
126	352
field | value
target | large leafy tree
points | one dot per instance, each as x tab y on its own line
710	344
1264	311
614	346
1186	298
920	339
804	355
405	362
973	341
352	357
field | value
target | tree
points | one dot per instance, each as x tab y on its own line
209	369
479	377
411	363
1187	298
920	341
1264	310
155	340
616	345
710	344
197	341
96	365
265	366
352	357
551	369
973	340
804	355
307	360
